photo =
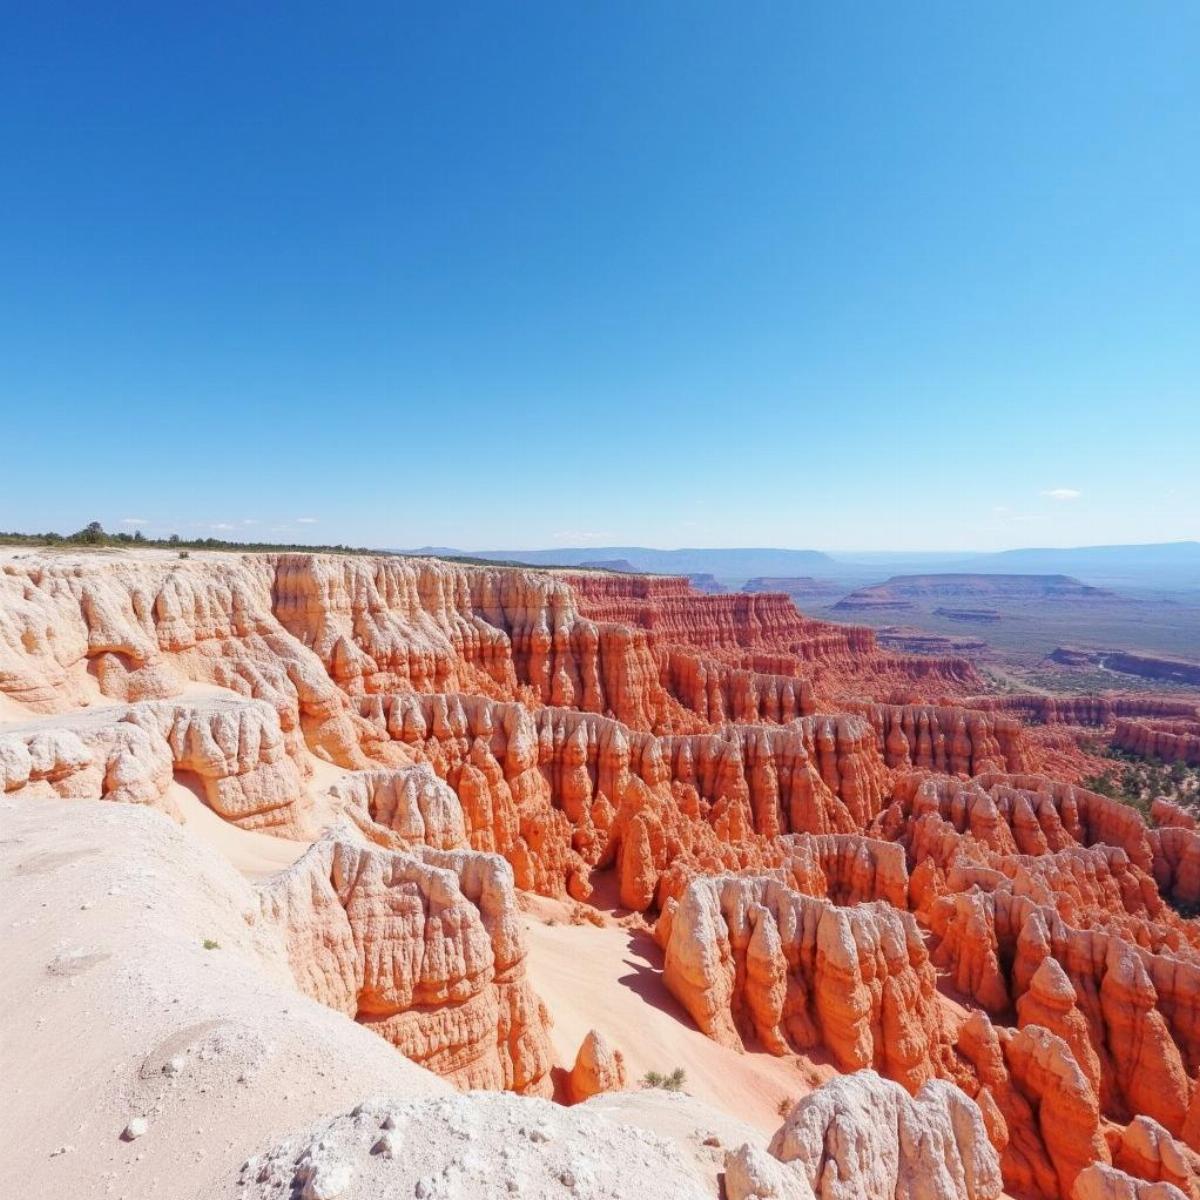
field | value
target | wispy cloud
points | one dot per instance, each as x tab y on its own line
249	521
1062	494
306	520
221	526
134	521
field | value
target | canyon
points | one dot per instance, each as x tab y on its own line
350	875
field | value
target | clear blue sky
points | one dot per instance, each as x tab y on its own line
841	275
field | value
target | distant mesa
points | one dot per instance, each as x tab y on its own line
1073	656
622	565
981	615
701	581
903	592
767	568
1127	662
799	587
724	563
1153	666
904	639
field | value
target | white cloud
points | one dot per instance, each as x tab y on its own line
1001	509
1061	494
249	521
134	521
221	525
306	520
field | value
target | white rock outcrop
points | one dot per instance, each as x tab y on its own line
862	1137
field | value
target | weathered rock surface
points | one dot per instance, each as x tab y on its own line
559	792
423	946
860	1137
1175	741
953	740
1082	709
1100	1182
751	957
1147	1151
599	1067
467	1147
233	749
217	1063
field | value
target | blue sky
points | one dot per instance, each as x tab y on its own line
845	276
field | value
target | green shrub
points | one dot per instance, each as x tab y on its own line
669	1083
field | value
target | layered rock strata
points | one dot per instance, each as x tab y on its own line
1174	741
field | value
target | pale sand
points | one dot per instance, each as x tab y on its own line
257	855
254	854
11	711
107	980
610	979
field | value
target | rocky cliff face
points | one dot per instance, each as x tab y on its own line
951	740
751	957
1083	710
248	771
840	660
1174	741
425	948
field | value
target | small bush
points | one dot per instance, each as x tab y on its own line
209	944
184	554
669	1083
785	1106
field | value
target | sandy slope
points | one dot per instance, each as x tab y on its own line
254	854
115	1010
609	978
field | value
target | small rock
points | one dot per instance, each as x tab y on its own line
135	1129
538	1134
388	1122
326	1181
423	1189
62	1150
173	1065
567	1179
385	1146
711	1140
